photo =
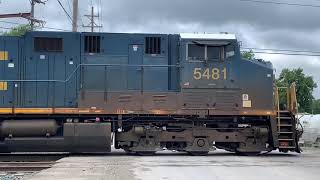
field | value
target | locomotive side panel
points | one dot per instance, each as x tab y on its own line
50	72
128	70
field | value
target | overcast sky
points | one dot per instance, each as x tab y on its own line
256	25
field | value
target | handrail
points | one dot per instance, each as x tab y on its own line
293	98
292	104
80	65
278	107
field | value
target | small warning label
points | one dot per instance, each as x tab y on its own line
11	65
135	47
245	97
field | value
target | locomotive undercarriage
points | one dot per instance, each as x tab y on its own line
142	135
243	135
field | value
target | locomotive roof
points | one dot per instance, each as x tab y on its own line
220	36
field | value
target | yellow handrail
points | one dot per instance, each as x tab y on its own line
278	107
291	98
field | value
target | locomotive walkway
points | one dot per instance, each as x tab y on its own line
178	166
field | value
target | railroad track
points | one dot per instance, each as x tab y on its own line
31	157
11	163
25	166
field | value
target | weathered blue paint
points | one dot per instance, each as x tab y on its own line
59	79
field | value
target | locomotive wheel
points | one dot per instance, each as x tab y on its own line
146	153
198	153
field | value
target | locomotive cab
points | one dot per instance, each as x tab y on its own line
208	78
209	59
216	80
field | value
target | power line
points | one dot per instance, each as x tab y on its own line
282	3
287	54
8	22
282	50
65	11
5	28
69	6
46	27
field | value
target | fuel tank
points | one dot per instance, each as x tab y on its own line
28	128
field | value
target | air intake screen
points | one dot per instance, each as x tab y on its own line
153	45
92	44
45	44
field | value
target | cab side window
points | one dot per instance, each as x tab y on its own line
215	53
196	52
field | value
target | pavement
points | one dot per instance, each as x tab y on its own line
219	165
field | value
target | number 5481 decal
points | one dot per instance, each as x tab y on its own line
207	73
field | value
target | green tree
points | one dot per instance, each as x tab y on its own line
249	55
18	31
316	107
304	84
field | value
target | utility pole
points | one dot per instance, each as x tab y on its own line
32	14
32	19
91	18
75	15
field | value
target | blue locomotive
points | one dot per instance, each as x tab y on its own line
78	92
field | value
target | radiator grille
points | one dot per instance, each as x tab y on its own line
196	99
226	100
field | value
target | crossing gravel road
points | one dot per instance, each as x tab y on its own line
219	165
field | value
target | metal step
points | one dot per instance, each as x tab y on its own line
284	111
285	125
285	132
286	139
287	147
284	117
